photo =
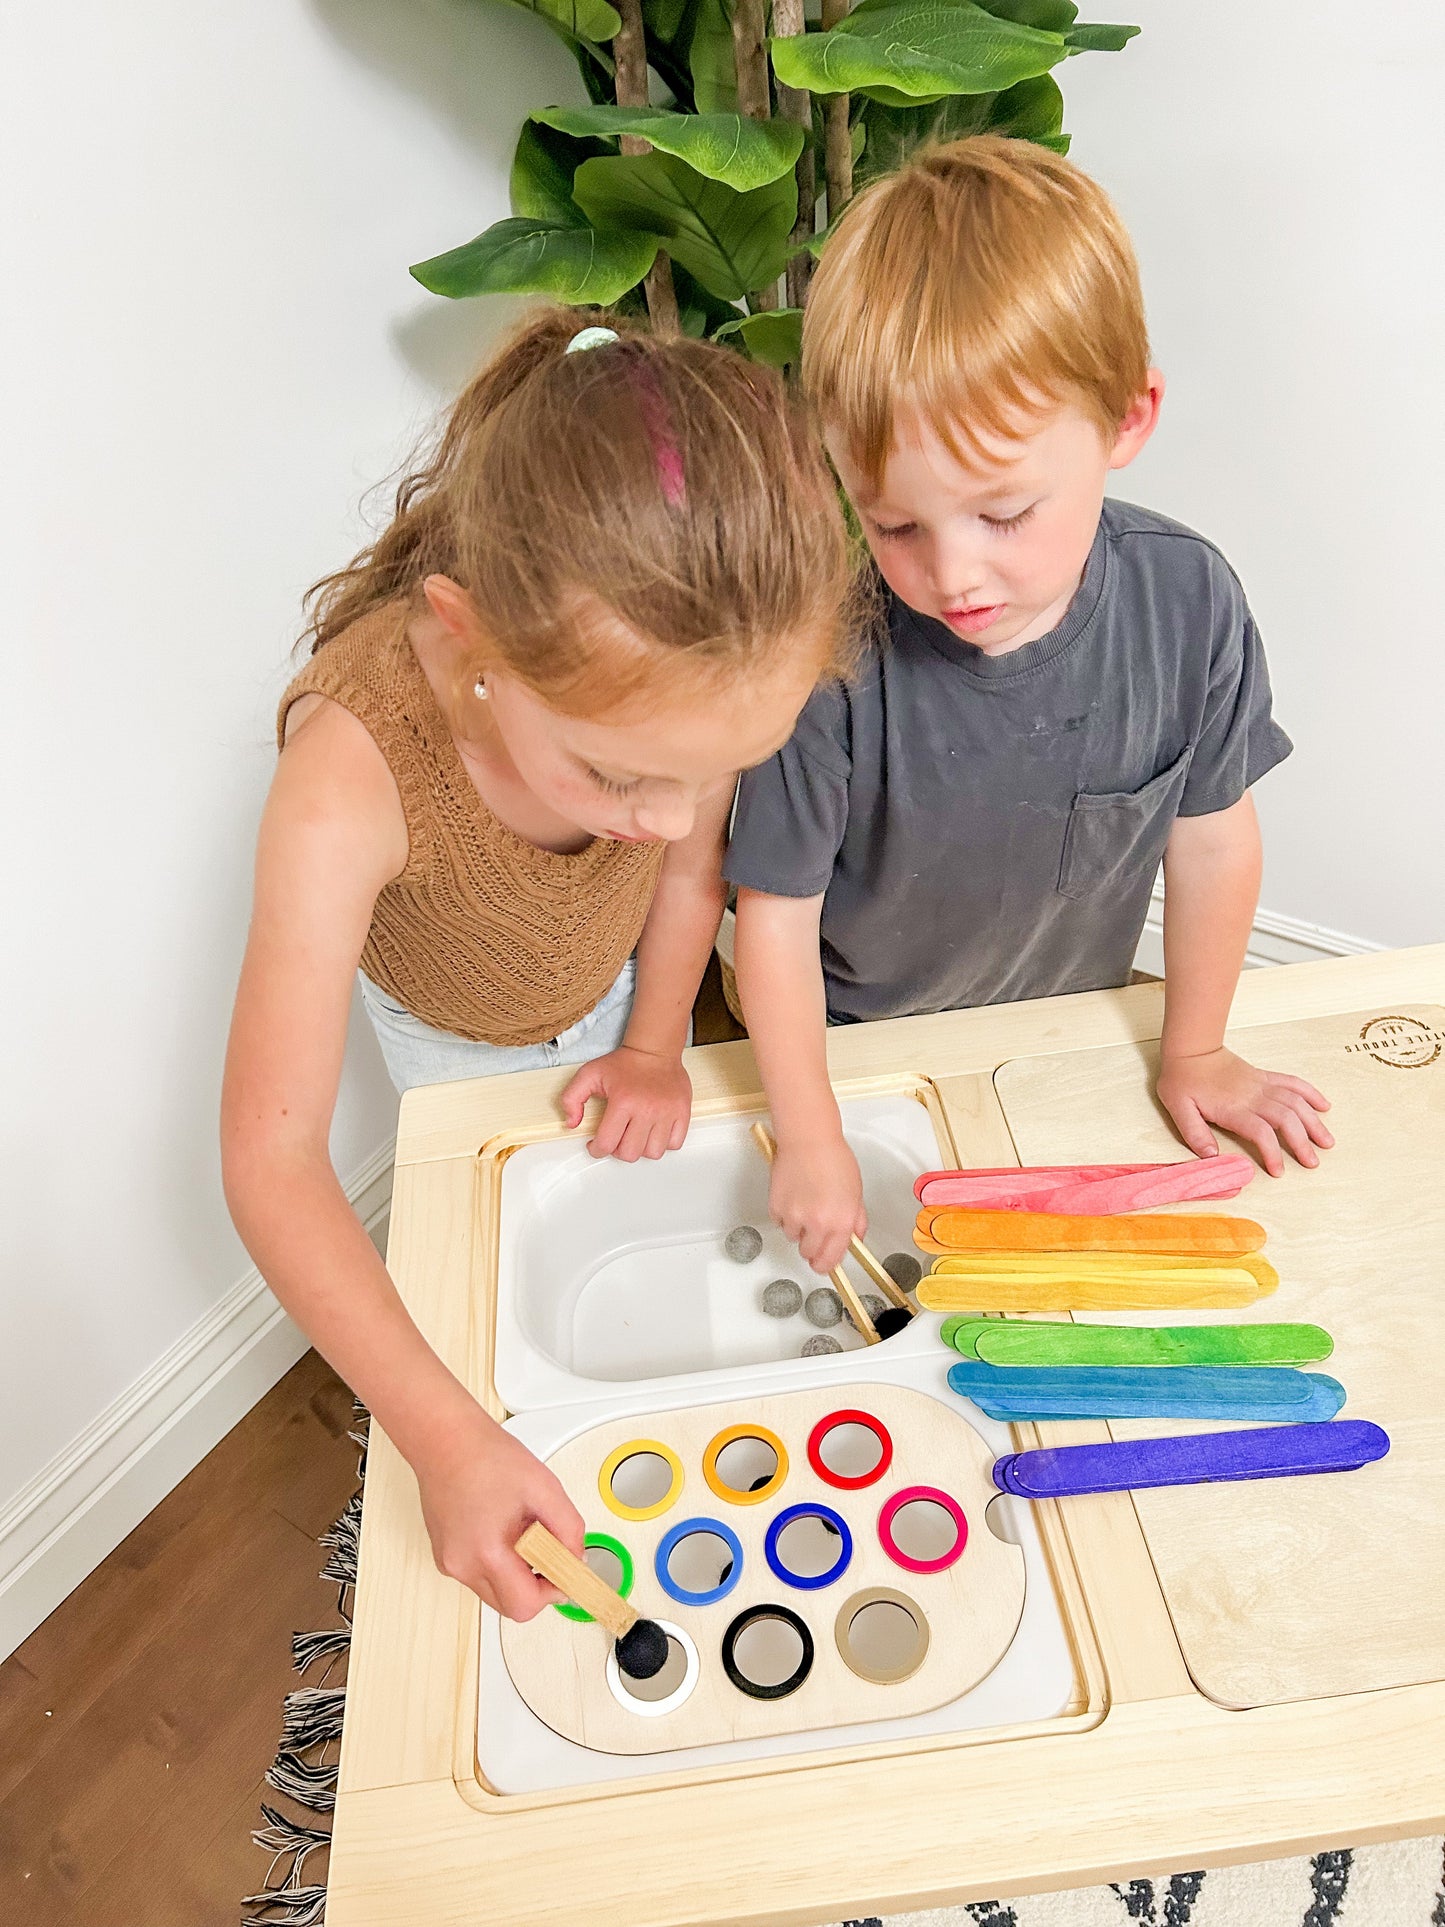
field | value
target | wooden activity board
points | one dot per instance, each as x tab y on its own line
1318	1610
839	1540
1294	1589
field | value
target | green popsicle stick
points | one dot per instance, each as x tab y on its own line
962	1333
1005	1342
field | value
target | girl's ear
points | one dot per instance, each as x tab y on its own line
453	609
1140	420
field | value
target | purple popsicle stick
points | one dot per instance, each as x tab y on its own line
1126	1465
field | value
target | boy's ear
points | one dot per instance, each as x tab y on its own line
1140	420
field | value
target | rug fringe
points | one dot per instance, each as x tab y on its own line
312	1720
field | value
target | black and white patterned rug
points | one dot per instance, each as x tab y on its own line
1399	1884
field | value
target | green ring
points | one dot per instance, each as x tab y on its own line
624	1585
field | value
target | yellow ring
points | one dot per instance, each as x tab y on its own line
730	1493
630	1451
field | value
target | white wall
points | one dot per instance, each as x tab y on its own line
1280	168
211	347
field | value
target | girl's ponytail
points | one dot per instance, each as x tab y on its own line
615	515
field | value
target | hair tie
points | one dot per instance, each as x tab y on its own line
587	338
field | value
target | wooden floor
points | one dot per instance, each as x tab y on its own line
136	1723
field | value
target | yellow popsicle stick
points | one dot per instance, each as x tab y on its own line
1096	1264
1203	1290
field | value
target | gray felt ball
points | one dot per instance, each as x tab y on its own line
822	1307
743	1243
782	1298
875	1307
819	1346
904	1269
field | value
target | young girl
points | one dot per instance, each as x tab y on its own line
502	793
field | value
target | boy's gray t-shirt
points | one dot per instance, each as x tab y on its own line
988	828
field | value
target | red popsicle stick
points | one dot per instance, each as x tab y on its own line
1087	1193
1028	1171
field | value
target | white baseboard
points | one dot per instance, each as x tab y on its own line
59	1527
1274	939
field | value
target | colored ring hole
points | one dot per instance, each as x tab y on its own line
882	1635
640	1479
922	1529
745	1464
767	1652
615	1566
818	1549
699	1562
665	1691
850	1449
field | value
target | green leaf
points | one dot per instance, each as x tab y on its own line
1098	39
699	312
905	51
570	262
776	338
663	18
1052	15
710	58
575	19
722	147
732	242
542	170
1034	110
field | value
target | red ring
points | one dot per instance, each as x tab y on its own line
906	1497
866	1419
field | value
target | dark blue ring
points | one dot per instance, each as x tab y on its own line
809	1509
685	1531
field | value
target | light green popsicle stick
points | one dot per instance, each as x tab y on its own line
997	1342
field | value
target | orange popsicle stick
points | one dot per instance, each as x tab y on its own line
956	1229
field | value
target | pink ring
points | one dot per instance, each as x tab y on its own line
906	1497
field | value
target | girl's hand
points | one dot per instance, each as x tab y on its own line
648	1099
479	1493
816	1196
1263	1108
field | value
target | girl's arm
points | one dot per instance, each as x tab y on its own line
333	833
816	1190
648	1093
1212	868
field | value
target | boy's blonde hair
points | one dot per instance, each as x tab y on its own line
984	278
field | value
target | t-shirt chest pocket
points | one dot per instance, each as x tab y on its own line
1111	838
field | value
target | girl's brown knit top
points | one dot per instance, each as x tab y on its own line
482	934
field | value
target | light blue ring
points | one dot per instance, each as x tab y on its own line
685	1530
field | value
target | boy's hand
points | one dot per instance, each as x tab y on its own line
479	1493
816	1196
1263	1108
649	1103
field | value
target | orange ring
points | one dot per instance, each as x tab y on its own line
729	1494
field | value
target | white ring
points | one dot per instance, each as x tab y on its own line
653	1709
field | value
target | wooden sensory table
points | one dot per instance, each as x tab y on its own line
1320	1725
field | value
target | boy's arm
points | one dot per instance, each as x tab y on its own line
648	1093
1211	874
816	1191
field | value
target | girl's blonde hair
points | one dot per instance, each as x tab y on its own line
985	278
647	507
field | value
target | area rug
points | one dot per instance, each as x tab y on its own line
1399	1884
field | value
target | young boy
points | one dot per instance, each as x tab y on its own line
1063	690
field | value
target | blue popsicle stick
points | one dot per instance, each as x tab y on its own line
1126	1465
1269	1394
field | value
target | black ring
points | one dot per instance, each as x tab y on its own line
751	1686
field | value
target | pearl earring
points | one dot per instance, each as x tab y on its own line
479	689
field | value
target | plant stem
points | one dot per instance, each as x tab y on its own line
750	58
837	135
796	104
629	50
